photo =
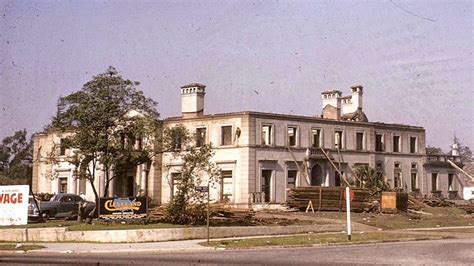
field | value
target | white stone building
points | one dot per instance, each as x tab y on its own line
263	155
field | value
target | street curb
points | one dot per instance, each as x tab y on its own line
343	243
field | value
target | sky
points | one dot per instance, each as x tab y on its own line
414	58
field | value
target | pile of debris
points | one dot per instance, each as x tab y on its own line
437	202
330	199
415	204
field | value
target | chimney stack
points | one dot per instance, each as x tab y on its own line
192	100
331	104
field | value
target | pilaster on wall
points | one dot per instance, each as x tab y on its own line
247	160
35	173
155	179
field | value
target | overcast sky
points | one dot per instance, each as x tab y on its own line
414	59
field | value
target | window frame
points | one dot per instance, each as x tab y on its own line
320	137
222	135
288	135
363	146
434	176
342	142
415	145
399	146
270	137
204	140
382	142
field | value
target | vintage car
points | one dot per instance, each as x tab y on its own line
64	205
33	211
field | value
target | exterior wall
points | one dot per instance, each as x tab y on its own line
48	174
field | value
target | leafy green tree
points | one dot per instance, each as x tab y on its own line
113	126
366	177
16	159
431	150
187	205
464	151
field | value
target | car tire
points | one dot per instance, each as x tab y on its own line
45	216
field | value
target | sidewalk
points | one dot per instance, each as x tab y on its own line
169	246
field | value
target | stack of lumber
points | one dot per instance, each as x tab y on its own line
329	199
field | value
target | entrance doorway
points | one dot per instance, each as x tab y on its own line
266	182
316	175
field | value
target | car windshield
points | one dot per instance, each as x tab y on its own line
55	198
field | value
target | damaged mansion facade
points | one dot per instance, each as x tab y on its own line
263	155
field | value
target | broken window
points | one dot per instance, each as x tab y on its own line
291	178
338	139
292	136
200	136
62	185
316	138
434	181
226	135
396	144
413	148
62	147
226	186
176	141
267	135
450	182
175	178
397	180
359	141
414	177
379	145
265	182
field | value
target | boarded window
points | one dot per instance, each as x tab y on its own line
315	138
379	142
200	136
359	141
396	143
292	136
413	148
266	135
226	135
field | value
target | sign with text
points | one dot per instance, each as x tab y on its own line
202	189
14	204
123	208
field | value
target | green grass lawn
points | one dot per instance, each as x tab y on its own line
440	217
23	247
310	239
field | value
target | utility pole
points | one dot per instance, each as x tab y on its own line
208	192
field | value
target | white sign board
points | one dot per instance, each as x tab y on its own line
14	204
468	193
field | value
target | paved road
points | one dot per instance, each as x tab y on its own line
441	252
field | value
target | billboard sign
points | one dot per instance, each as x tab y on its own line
123	208
14	204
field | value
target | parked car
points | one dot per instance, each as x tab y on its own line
33	211
64	205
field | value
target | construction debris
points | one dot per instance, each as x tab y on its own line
330	199
437	202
